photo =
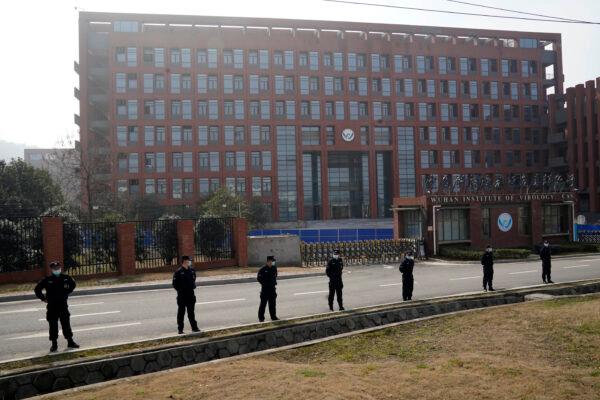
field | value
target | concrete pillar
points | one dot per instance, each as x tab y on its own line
475	226
185	238
52	237
126	248
240	241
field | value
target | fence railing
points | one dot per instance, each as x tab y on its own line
213	239
155	244
358	253
90	248
330	235
21	244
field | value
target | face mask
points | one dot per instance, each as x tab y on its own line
489	250
56	272
336	256
189	264
546	245
273	264
409	257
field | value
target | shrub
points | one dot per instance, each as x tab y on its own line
166	239
211	234
468	253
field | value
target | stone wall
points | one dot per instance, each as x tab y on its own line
27	384
285	248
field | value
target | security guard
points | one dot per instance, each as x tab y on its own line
487	261
334	272
57	287
546	257
408	280
267	277
184	281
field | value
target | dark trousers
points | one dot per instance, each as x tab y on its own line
488	276
267	296
408	283
335	290
546	269
186	303
55	313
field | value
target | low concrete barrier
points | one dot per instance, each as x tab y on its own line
26	384
286	248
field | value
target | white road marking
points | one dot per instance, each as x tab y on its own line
385	266
24	310
88	315
523	272
220	301
466	277
391	284
577	266
303	293
37	335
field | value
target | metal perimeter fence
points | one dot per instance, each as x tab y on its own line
21	244
90	248
358	253
155	244
213	239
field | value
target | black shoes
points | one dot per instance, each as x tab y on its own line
54	346
341	309
492	290
275	319
549	281
180	331
195	330
72	345
484	289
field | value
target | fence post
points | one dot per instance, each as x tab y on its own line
52	239
240	241
126	248
185	238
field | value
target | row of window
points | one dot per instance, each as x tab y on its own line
313	60
312	85
311	135
184	161
184	187
332	110
479	159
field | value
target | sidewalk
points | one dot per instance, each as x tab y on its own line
167	283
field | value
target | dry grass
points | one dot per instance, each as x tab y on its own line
547	350
148	277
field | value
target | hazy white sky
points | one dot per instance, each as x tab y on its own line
39	44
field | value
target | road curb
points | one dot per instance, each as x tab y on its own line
159	286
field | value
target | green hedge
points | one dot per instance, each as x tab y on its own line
467	253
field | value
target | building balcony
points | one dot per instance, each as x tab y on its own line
561	116
556	162
558	137
549	57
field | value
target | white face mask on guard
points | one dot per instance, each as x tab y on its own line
336	256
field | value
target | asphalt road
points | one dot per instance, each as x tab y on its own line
107	319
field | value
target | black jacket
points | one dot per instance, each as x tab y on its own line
546	255
407	268
487	260
58	289
267	277
334	271
184	280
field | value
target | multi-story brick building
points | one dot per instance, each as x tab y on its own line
575	139
320	119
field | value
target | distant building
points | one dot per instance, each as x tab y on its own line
62	165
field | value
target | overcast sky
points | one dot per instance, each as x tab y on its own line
39	44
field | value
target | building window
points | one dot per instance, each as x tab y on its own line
406	161
453	225
524	215
311	135
555	219
485	222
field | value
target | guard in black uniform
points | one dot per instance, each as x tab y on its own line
408	281
267	277
184	281
487	261
57	287
334	272
546	257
